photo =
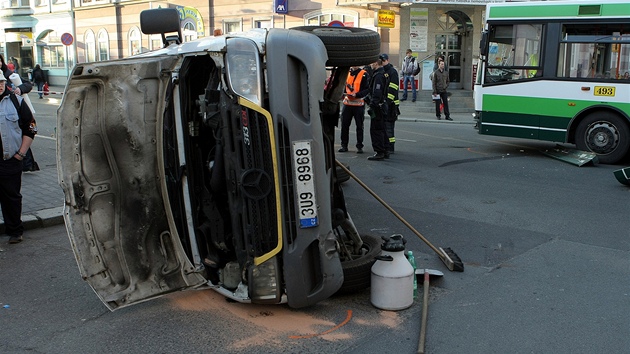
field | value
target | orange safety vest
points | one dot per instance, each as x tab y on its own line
355	83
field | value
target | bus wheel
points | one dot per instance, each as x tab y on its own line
605	134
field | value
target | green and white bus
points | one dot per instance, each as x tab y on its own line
557	71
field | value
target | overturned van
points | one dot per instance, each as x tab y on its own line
210	164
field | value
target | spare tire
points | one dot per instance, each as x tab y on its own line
347	46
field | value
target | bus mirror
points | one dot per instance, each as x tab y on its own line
483	44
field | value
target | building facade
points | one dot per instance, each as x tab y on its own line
58	34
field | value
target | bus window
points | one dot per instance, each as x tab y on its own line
513	52
594	52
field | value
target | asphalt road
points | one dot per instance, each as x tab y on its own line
545	244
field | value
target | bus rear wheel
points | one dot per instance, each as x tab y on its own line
605	134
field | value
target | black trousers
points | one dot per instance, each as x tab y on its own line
378	134
443	99
390	125
347	114
10	196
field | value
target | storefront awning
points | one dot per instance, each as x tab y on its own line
18	22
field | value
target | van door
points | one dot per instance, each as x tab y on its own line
109	137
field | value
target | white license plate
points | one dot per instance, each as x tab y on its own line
304	184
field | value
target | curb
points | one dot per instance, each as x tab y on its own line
41	218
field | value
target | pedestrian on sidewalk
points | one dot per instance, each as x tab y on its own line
378	111
24	88
392	103
17	129
357	87
440	84
409	70
38	79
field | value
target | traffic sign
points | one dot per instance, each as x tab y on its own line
67	39
335	23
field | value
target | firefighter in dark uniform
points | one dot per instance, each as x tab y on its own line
378	111
17	131
392	103
357	87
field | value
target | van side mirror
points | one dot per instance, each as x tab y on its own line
162	21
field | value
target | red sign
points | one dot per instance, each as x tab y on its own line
335	23
67	39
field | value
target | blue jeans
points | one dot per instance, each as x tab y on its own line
409	78
40	88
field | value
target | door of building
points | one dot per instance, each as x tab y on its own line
451	33
450	47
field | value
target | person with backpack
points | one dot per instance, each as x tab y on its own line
18	129
410	68
38	79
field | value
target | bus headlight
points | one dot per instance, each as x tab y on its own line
265	282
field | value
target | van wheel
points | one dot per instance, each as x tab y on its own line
605	134
342	176
347	46
357	273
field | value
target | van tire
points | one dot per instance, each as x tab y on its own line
357	273
347	46
342	175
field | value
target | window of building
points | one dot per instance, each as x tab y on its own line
16	3
90	46
103	45
41	3
324	17
135	41
263	23
189	31
155	42
51	51
232	26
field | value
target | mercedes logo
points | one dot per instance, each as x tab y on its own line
256	184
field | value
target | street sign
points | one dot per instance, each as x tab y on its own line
67	39
281	6
335	23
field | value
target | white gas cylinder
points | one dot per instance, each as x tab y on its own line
392	276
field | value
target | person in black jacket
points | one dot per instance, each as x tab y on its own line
24	88
392	103
378	111
38	79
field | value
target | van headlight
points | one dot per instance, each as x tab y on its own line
244	69
264	282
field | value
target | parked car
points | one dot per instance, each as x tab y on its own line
211	164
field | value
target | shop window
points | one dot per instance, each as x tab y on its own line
51	51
